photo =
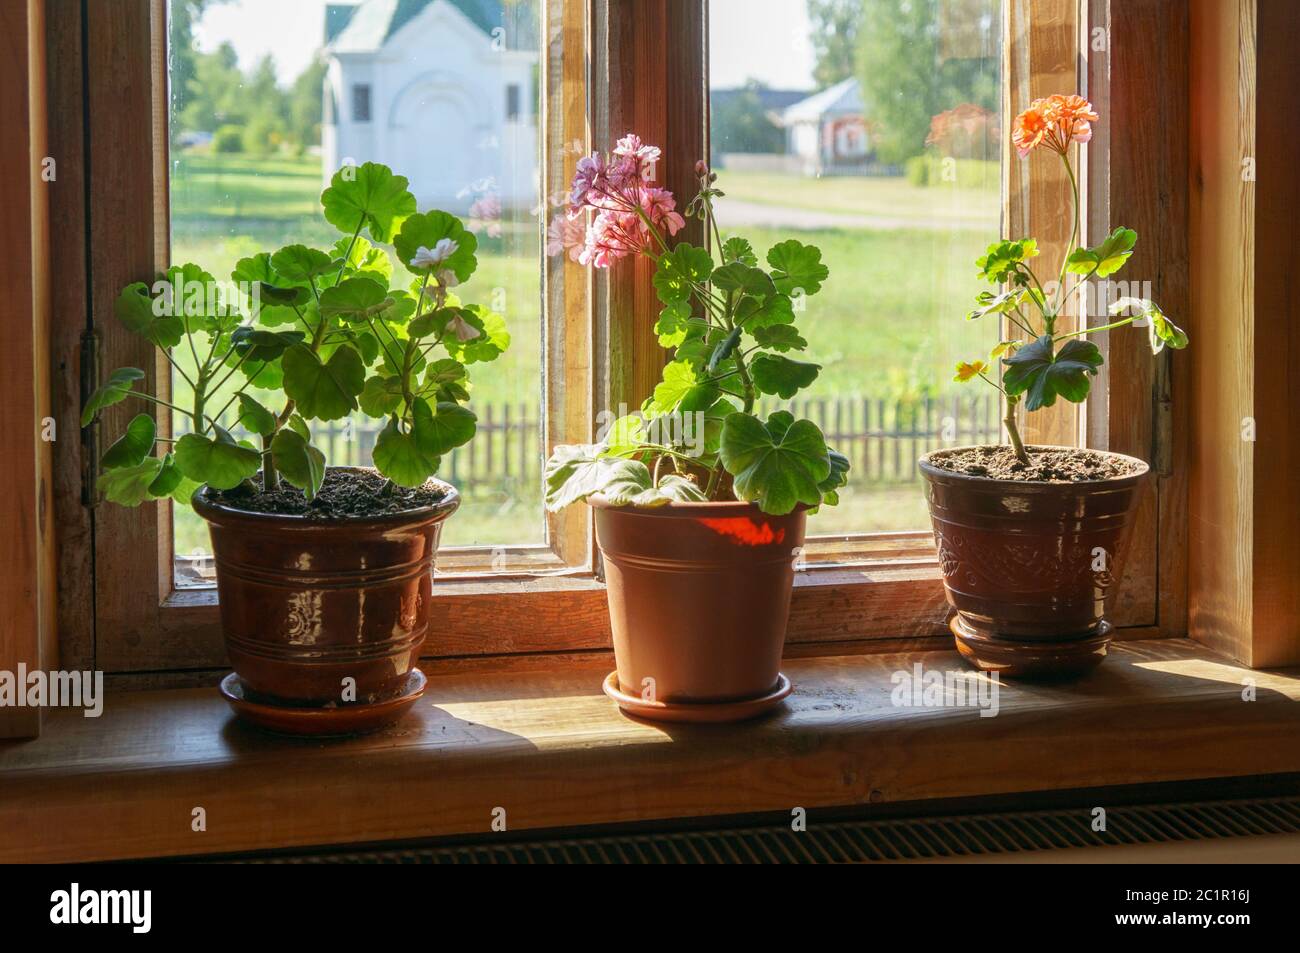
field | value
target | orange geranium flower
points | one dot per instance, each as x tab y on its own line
1055	122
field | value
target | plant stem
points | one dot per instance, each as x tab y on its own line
1013	431
270	475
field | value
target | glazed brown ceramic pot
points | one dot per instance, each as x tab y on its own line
306	603
1030	562
699	597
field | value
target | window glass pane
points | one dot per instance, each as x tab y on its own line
872	129
268	100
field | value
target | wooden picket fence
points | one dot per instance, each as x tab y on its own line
882	439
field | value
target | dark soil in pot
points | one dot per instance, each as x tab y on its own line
328	603
1030	554
345	492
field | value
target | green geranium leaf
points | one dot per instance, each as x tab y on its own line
739	249
129	486
780	337
737	277
371	195
298	462
364	259
632	485
682	390
577	471
136	310
194	296
755	313
777	465
837	478
677	270
674	320
255	418
1104	259
1003	259
381	395
776	374
796	265
723	350
446	380
426	231
260	345
399	456
219	462
300	263
130	449
169	480
1160	330
1036	371
1006	302
112	391
323	391
355	299
441	432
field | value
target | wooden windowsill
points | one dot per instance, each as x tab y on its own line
552	751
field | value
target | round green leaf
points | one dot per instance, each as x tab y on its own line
400	457
112	391
323	391
129	486
368	195
130	449
776	374
440	433
300	263
796	265
136	310
425	231
777	465
355	299
221	463
298	462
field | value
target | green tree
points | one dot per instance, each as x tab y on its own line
834	35
740	122
304	105
909	73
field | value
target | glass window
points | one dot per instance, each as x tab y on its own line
872	129
361	102
256	134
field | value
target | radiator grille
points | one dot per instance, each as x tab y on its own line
953	836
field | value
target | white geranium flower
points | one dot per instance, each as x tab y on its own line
463	330
432	257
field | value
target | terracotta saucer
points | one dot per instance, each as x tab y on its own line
700	712
1020	658
340	720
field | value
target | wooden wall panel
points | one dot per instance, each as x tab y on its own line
1244	519
27	552
1145	413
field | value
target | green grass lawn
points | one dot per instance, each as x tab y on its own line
887	197
888	323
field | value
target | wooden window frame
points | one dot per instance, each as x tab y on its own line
127	616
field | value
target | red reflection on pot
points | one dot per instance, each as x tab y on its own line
744	531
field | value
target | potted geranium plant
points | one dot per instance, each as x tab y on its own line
1032	538
700	503
323	573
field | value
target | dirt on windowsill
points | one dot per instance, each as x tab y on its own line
1046	464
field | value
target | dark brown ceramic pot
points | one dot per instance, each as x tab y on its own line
699	598
307	603
1030	563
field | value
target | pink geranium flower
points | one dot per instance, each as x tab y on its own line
566	234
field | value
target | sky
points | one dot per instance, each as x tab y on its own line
758	39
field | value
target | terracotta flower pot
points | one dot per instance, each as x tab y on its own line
306	603
1028	565
699	599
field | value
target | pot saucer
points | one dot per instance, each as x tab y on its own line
1020	658
696	712
340	720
